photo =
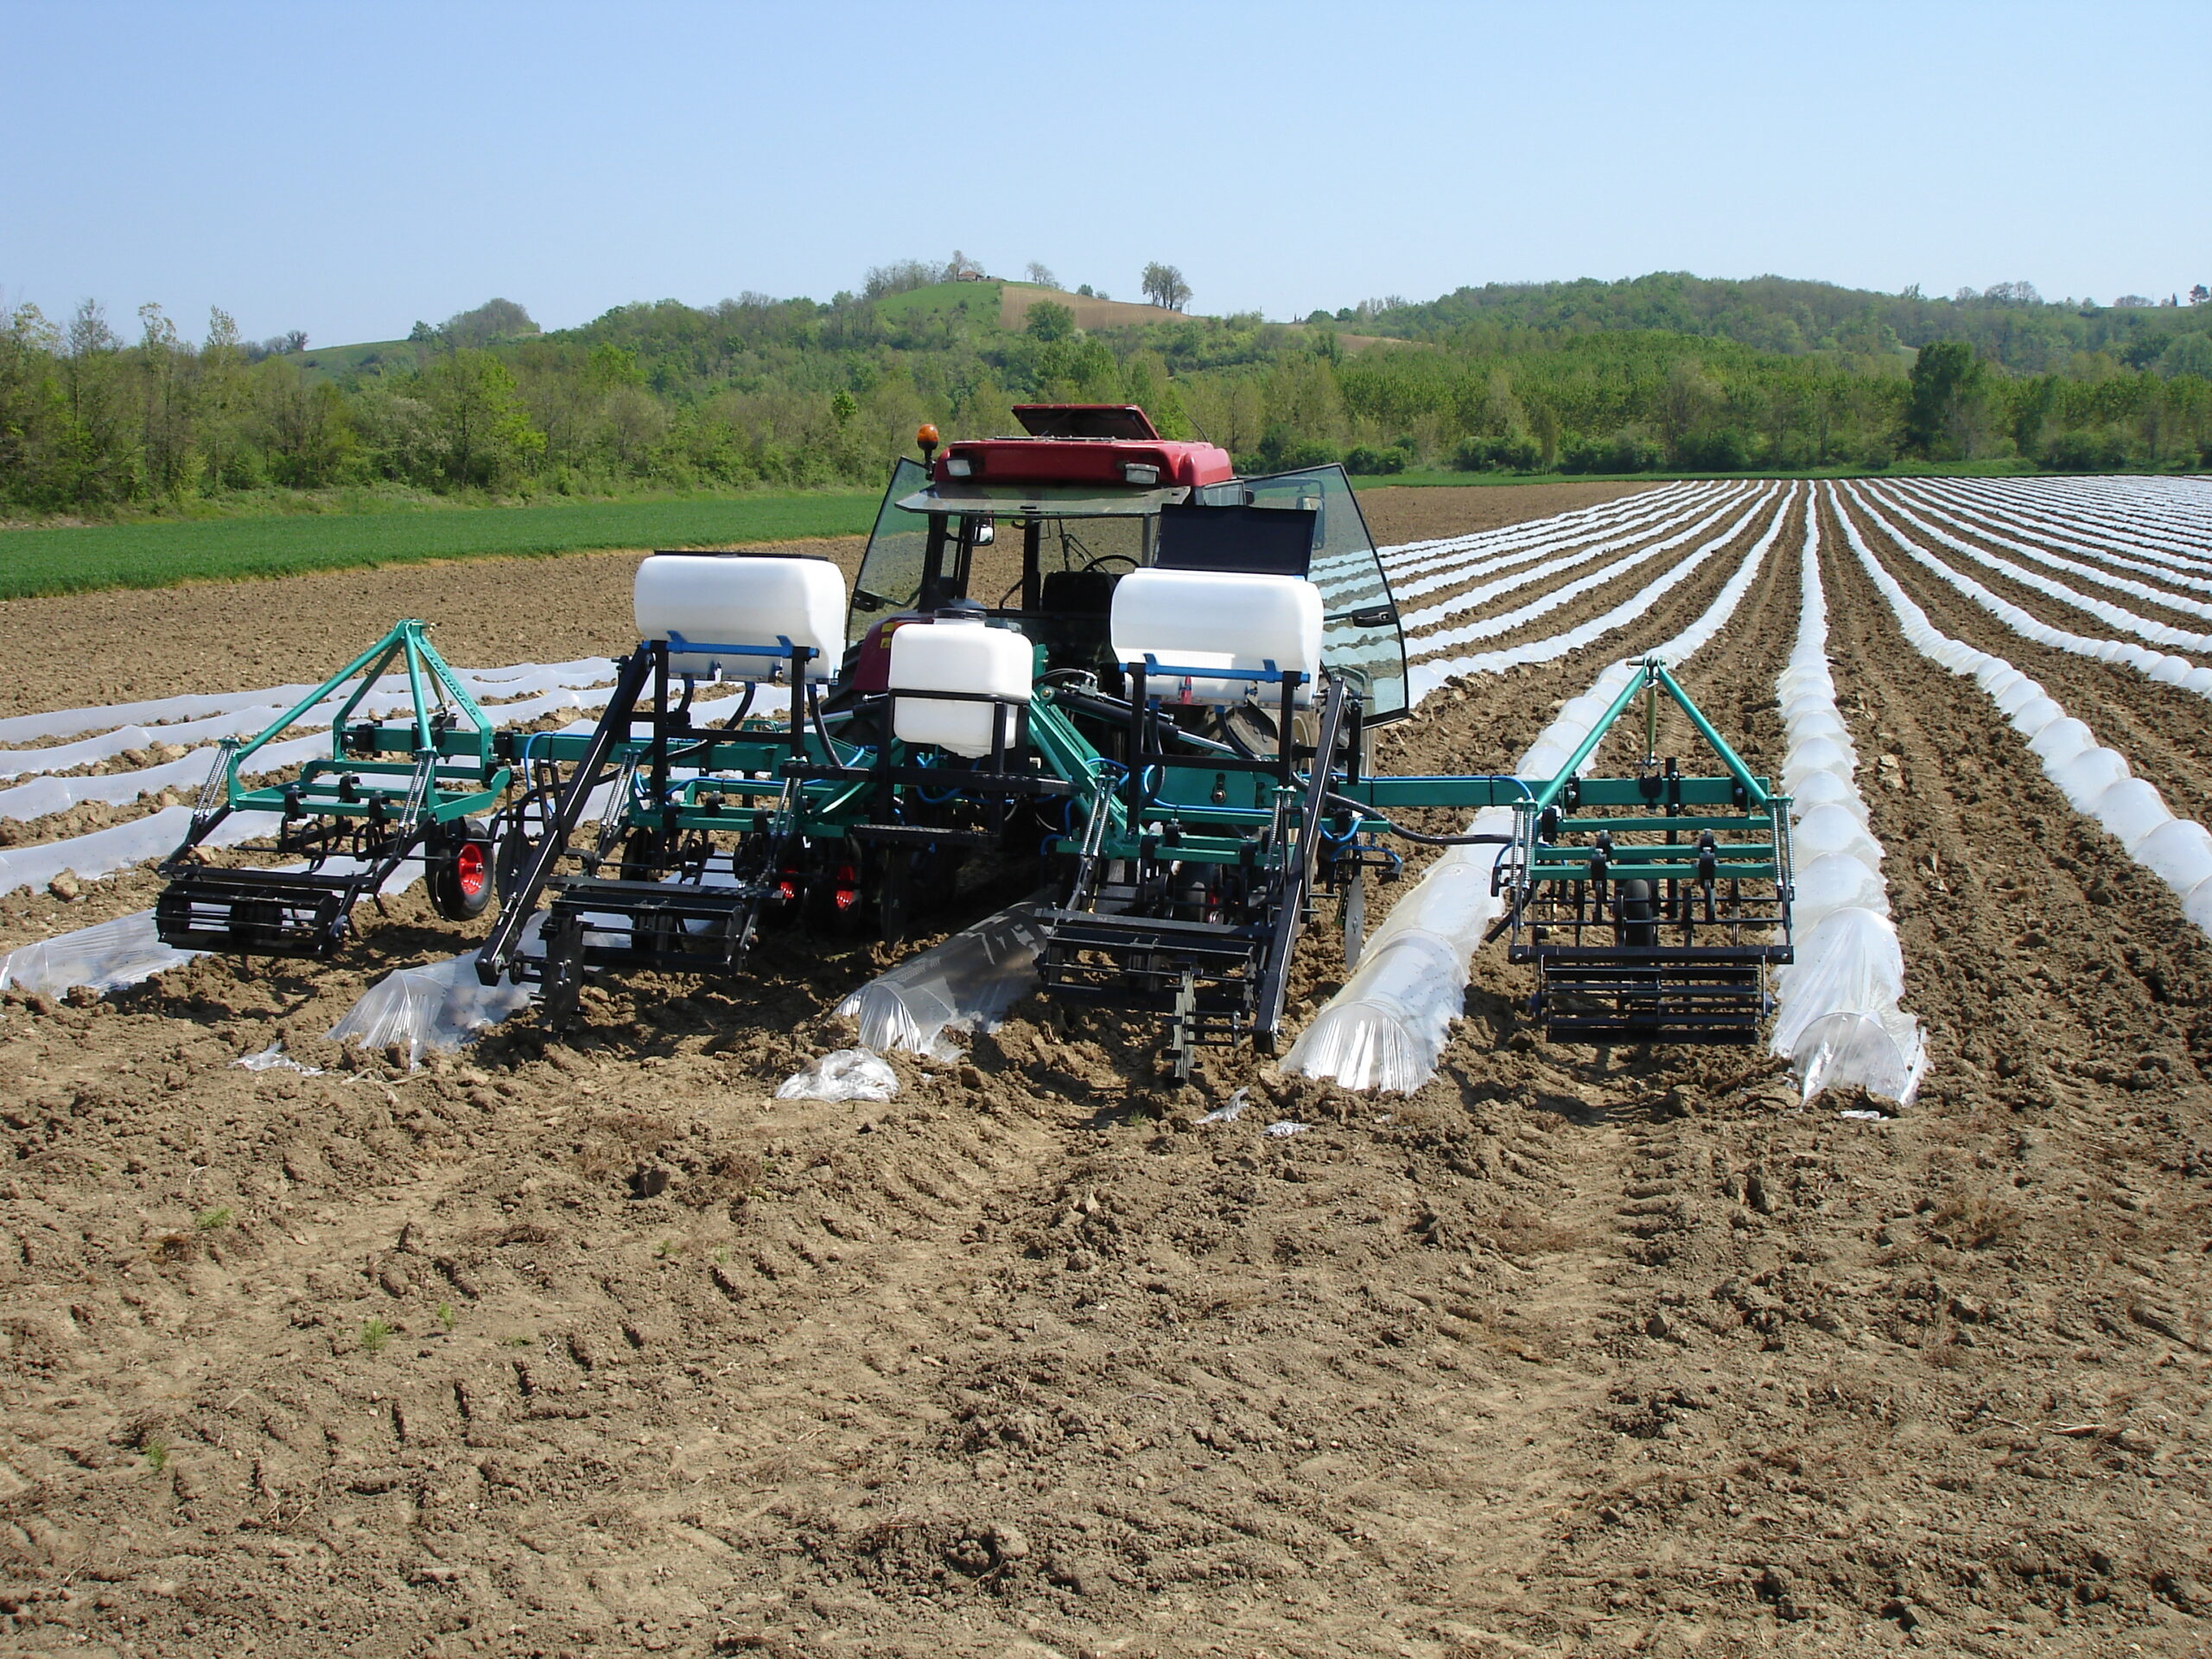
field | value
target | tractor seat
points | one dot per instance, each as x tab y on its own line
1077	593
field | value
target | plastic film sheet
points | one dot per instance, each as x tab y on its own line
439	1005
846	1074
1881	1053
103	852
106	956
2144	528
1530	540
2132	810
1635	548
1425	678
1838	1022
1507	621
265	704
967	983
2140	556
2159	665
1554	535
1903	504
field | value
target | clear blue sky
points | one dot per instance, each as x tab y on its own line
348	168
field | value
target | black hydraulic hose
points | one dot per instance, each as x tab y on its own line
1388	828
744	706
821	731
1102	707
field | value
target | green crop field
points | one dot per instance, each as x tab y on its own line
161	555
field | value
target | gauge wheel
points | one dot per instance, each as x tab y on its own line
462	876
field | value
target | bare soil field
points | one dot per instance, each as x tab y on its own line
594	1347
85	648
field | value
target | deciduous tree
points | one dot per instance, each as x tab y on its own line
1164	286
1944	388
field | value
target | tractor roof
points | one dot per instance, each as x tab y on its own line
1084	421
1107	447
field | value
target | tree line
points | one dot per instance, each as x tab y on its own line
1662	374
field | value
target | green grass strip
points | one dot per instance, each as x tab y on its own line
161	555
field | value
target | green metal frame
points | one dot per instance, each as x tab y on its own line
316	790
745	770
1651	678
1760	812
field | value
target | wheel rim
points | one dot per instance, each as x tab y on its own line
471	869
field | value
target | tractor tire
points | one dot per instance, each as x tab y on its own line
461	879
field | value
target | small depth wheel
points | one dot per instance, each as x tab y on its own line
1637	909
461	879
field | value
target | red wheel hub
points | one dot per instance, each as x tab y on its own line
470	868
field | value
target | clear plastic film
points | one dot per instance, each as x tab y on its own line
1386	1027
106	957
967	983
2104	610
1634	548
1999	517
845	1074
441	1006
141	840
515	680
2096	780
2162	666
1426	676
1838	1023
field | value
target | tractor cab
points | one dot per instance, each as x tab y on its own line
1039	530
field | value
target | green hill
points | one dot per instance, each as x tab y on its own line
2008	323
1664	373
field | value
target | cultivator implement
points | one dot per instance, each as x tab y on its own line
1090	660
386	794
1652	908
850	818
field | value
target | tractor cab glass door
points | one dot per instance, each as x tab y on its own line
1360	636
898	555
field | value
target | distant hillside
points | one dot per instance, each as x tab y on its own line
1665	372
2009	323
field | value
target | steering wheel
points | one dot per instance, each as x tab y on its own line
1111	558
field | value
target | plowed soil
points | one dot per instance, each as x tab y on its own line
595	1347
111	647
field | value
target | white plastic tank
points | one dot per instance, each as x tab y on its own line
1218	619
711	600
962	654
